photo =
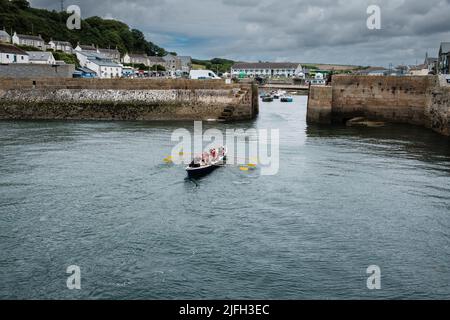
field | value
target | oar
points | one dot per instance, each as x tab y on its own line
168	159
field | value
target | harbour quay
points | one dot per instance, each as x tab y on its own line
126	99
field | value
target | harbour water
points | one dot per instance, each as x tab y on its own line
98	195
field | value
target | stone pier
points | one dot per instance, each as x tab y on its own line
418	100
126	99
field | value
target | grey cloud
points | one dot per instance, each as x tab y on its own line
298	30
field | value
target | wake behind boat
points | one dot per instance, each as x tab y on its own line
207	162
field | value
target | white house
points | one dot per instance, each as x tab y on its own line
420	70
267	69
104	67
11	54
63	46
41	57
27	40
5	37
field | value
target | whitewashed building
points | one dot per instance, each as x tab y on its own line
11	54
104	67
267	69
27	40
420	70
41	57
63	46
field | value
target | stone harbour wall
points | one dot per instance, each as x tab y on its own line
419	100
95	99
21	70
438	111
320	104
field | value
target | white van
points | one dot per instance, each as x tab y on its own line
203	75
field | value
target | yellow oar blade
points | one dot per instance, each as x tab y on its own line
243	169
168	159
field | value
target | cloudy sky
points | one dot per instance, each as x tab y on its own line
319	31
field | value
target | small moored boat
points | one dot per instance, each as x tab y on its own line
287	99
267	98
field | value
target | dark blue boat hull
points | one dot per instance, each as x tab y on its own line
201	172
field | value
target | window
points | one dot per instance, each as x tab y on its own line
7	56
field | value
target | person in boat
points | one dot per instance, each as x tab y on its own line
205	159
213	153
196	163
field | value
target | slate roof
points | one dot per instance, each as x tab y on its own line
6	48
39	55
61	43
87	47
138	55
155	59
109	51
29	37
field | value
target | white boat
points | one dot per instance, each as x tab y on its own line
278	94
207	163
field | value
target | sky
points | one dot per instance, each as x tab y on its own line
313	31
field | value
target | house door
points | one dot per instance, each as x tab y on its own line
15	59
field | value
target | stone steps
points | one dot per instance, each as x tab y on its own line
227	114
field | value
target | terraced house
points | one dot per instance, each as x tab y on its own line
11	54
266	69
30	41
104	67
63	46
